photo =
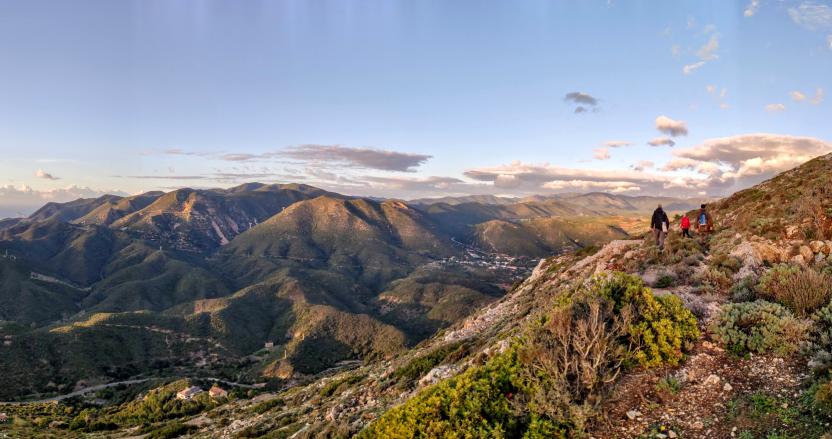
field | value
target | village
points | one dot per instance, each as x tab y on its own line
507	268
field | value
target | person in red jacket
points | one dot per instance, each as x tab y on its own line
685	226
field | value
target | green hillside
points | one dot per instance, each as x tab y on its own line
199	281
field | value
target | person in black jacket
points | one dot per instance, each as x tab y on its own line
660	224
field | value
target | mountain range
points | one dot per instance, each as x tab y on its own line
202	279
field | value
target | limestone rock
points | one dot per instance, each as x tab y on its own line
817	246
437	374
712	380
807	253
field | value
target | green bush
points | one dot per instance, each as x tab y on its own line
550	382
660	326
171	430
267	405
744	290
477	403
665	281
331	387
821	397
801	289
725	264
818	347
422	364
759	327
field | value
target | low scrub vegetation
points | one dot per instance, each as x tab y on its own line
745	290
801	289
550	381
758	327
659	327
419	366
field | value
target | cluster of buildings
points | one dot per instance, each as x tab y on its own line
498	263
189	393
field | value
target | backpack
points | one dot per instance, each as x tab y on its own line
703	219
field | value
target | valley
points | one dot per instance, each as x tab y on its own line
195	282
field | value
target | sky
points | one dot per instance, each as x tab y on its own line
409	99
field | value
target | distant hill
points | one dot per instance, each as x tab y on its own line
324	277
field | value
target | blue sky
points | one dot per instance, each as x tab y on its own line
409	98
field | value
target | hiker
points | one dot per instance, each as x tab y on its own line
704	222
659	223
685	226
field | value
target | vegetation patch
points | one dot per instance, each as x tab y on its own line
332	387
758	327
551	381
660	326
801	289
422	364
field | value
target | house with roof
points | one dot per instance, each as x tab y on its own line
217	392
189	393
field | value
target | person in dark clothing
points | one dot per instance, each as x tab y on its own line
660	225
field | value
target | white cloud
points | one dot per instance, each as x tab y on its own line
707	52
719	166
587	185
671	127
752	8
710	89
775	108
690	68
643	165
797	96
752	154
812	16
40	173
601	153
818	97
662	141
617	143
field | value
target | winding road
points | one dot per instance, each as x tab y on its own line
118	383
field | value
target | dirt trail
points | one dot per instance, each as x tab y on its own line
713	394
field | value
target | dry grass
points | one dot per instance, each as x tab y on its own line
572	356
801	289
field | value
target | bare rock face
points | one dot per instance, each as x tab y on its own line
437	374
807	253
